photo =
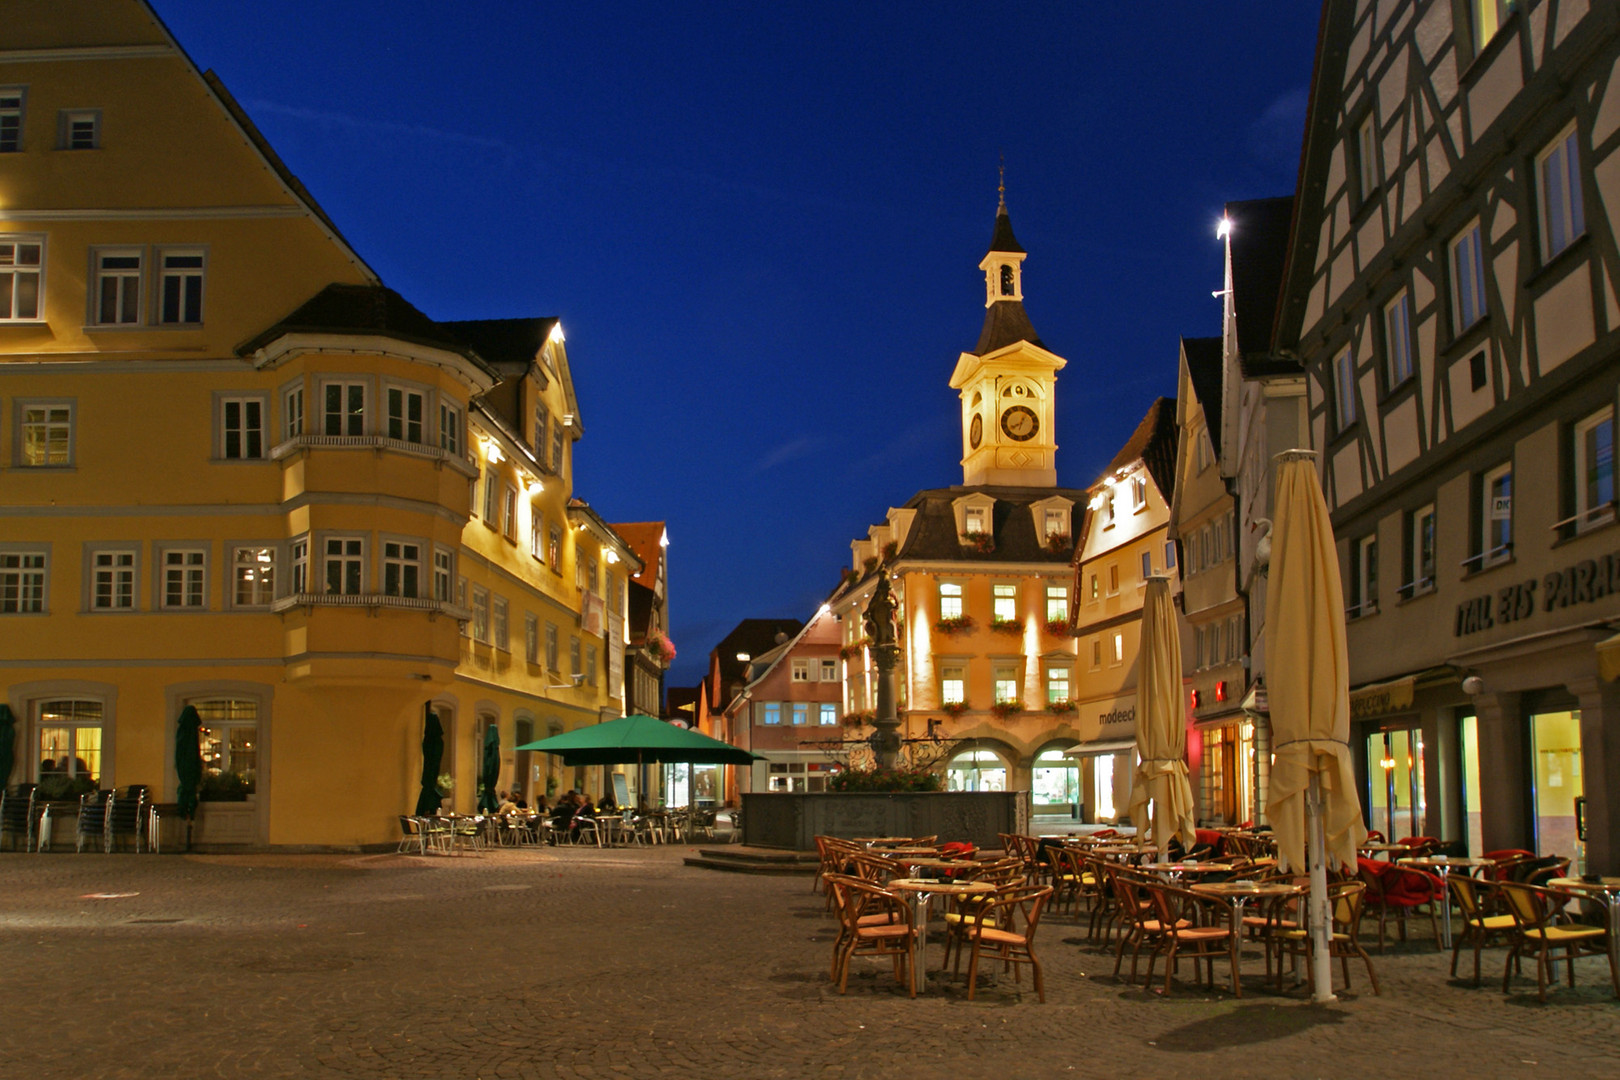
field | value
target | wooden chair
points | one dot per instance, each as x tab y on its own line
1069	876
1402	891
1344	907
1139	924
964	912
997	931
1479	925
1540	926
1175	911
872	922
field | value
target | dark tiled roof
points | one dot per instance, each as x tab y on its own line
1003	239
1260	229
1154	444
933	534
372	310
1204	368
1005	323
754	637
504	342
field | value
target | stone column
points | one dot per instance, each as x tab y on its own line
1600	771
1504	793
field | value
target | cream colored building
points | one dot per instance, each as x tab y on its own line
242	474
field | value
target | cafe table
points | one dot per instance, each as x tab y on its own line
1372	851
1444	864
880	841
1608	890
1237	894
920	891
1175	871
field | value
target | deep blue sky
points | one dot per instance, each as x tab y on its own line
761	224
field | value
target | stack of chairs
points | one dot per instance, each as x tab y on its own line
19	817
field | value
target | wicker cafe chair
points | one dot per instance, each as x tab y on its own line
1068	876
1176	910
1402	891
872	922
1344	907
996	931
1479	925
965	911
1540	926
1139	923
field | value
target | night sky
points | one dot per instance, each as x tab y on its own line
761	224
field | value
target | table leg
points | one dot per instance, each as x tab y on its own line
1445	911
919	919
1614	929
1238	903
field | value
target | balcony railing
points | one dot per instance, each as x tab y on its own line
373	600
462	462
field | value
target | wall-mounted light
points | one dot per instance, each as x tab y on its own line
744	657
611	556
535	486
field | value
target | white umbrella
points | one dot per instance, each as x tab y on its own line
1161	728
1313	787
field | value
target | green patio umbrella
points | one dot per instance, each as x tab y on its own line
638	739
490	774
8	742
188	765
427	803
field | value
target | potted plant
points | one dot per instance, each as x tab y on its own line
979	543
1060	707
890	550
445	783
857	719
957	624
854	649
1059	628
1059	543
902	778
1006	709
848	575
1006	626
955	708
660	648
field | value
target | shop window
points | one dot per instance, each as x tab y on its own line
976	770
68	746
230	749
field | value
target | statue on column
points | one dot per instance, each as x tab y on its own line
881	628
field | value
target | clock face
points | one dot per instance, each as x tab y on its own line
1020	422
976	432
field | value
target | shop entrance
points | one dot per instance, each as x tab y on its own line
1395	778
976	770
1555	746
1056	785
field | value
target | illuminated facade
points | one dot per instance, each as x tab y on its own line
242	474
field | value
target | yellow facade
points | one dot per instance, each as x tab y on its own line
239	473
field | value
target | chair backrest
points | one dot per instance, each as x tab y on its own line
93	811
1466	892
409	825
1021	904
1530	906
1345	900
854	897
124	811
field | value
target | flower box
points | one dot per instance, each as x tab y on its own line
979	543
955	708
1006	626
1061	707
961	624
1059	628
1005	709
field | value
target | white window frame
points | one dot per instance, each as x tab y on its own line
1590	509
829	670
509	505
292	411
1106	507
15	249
1119	648
827	714
1059	684
182	577
537	536
397	421
181	274
531	637
1096	654
542	428
251	440
1398	339
1344	389
480	610
591	665
952	684
101	724
1495	534
951	600
1420	583
402	566
350	553
119	568
973	521
1138	493
451	427
444	574
1004	602
1560	203
121	284
1057	603
553	647
298	579
1005	685
79	129
801	670
575	665
13	107
771	714
501	622
349	422
1364	550
1055	523
38	421
1466	262
253	573
800	712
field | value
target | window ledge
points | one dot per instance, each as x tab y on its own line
1555	267
1582	533
1480	568
1465	341
1417	594
239	461
373	600
438	455
1488	51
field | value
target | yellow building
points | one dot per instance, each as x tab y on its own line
982	573
242	474
1126	540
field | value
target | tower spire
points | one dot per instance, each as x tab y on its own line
1001	187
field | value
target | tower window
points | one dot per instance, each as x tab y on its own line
1006	280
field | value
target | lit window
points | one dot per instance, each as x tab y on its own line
801	713
113	581
554	548
1057	603
1487	19
1094	586
828	714
973	520
1119	648
241	428
402	566
773	712
11	118
47	434
344	563
509	513
69	743
950	600
1496	515
829	671
1467	279
801	671
1594	469
20	263
1558	195
184	578
343	408
81	129
1057	684
1398	339
180	287
1344	389
229	742
492	493
1006	685
1138	492
117	288
253	576
952	686
406	412
1056	523
537	532
1004	602
1106	509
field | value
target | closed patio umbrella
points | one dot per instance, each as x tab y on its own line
8	742
489	774
1313	798
427	802
1161	729
188	765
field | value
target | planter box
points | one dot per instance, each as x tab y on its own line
793	820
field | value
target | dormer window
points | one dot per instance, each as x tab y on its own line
973	520
1006	280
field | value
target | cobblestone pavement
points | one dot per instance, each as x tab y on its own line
580	963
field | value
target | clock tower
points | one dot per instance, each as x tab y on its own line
1007	381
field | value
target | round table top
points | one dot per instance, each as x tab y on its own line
1187	867
903	852
1245	888
880	840
1608	884
1385	847
930	885
1431	860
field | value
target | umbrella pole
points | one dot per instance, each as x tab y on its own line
1321	916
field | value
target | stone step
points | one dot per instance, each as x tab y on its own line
763	855
736	861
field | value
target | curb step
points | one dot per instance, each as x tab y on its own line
755	861
761	855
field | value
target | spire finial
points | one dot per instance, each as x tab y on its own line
1001	186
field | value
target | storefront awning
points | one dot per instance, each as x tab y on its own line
1098	749
1608	651
1381	698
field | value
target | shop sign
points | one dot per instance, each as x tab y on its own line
1586	582
1383	698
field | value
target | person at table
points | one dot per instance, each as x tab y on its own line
562	815
608	804
505	805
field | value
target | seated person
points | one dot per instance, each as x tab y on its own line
505	805
584	810
608	805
